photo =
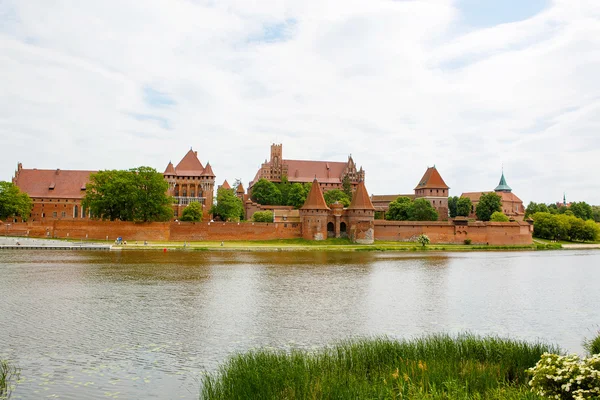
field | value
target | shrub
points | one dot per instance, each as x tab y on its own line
566	377
262	216
467	241
498	216
423	239
592	346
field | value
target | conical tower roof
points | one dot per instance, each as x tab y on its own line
315	199
432	180
225	185
361	199
502	186
240	188
190	165
170	170
208	171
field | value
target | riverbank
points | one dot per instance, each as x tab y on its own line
270	245
432	367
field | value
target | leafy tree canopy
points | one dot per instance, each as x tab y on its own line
399	209
229	207
488	204
533	208
266	192
582	210
564	227
262	216
463	207
422	210
139	194
347	186
452	206
498	216
13	202
297	194
331	196
405	209
193	212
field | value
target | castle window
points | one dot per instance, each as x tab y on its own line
54	214
63	214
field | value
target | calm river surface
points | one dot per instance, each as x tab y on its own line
142	324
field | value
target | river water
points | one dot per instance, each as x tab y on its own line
147	325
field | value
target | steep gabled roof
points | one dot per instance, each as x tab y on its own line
170	170
208	171
502	186
225	185
432	180
240	188
306	170
315	199
361	200
189	165
53	183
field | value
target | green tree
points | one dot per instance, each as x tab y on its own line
498	216
399	209
13	202
262	216
582	210
463	207
139	194
266	192
347	186
422	210
488	204
331	196
193	212
297	194
591	231
284	188
452	206
229	207
596	213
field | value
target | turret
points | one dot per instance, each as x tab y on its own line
314	213
361	216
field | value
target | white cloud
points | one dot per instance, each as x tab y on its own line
400	85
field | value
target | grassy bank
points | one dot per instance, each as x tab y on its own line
433	367
325	245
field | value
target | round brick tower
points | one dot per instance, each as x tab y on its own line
361	216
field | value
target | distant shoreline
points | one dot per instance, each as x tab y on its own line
279	245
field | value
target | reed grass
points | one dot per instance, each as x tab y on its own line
431	367
9	375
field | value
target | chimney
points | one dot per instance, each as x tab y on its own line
196	153
57	171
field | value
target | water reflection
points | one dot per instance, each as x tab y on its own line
140	324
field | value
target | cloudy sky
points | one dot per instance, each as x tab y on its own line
467	85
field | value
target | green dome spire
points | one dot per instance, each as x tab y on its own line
502	186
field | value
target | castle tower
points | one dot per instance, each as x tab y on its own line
314	213
502	186
361	216
432	188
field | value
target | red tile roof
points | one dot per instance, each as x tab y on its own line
315	199
208	171
189	165
432	180
66	184
361	200
307	170
170	170
506	196
225	185
240	188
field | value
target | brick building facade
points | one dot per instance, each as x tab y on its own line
512	205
